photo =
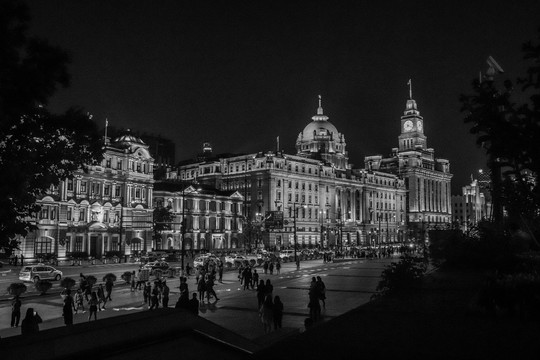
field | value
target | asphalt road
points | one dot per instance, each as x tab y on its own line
350	283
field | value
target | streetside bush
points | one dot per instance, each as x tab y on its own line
43	286
16	289
402	276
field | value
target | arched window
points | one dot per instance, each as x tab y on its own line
43	245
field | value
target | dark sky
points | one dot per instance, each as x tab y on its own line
241	73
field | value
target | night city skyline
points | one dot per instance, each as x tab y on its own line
239	75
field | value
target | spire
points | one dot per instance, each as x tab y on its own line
320	114
410	88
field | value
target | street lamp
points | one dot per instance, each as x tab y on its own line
295	235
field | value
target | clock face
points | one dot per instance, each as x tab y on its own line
408	125
419	126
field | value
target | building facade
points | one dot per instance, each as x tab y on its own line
322	199
427	178
106	210
473	205
205	218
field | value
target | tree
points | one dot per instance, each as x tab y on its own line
37	149
162	220
509	133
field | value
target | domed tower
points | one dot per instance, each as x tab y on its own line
321	139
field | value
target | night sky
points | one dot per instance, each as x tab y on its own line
240	73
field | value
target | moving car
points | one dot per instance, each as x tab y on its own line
156	265
39	272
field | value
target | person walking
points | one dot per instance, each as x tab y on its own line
254	279
15	311
108	286
79	301
102	299
278	267
68	308
147	290
93	306
193	305
321	291
247	277
166	291
268	288
154	298
201	288
271	267
220	271
260	294
134	281
266	314
265	267
210	288
277	312
30	323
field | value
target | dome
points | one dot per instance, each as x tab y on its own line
319	128
128	137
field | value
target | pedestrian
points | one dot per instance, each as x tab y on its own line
194	304
15	311
183	285
140	282
166	291
260	294
265	267
102	299
197	274
188	270
183	301
22	260
278	267
220	271
271	267
254	279
30	323
268	288
147	289
201	288
79	301
266	314
108	286
68	308
93	306
321	291
247	277
15	260
313	304
154	297
210	288
133	281
241	273
277	312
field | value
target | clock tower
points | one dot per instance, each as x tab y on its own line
412	128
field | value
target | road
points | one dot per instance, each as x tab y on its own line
350	283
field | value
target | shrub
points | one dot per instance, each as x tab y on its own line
43	286
126	276
113	253
403	276
67	283
109	277
91	280
79	255
16	289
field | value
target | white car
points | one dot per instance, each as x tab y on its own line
200	260
287	253
39	272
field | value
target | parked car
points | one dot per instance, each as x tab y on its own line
286	254
155	265
39	272
200	260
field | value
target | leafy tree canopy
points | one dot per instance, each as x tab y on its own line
509	132
37	149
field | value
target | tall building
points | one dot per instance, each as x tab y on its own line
205	218
321	198
106	210
474	204
426	177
